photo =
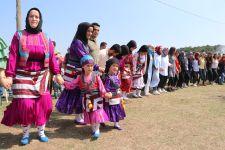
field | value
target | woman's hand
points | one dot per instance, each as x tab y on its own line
59	79
108	95
7	82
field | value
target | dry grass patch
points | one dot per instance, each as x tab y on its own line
191	118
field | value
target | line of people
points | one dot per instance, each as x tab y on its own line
96	81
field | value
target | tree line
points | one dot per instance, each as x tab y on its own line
206	48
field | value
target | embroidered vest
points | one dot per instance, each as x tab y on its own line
24	51
91	97
88	88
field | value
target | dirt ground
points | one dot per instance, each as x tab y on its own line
188	119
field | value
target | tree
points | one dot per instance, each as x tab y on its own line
18	15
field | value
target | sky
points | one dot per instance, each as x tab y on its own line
168	23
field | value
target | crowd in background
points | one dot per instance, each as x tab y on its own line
91	81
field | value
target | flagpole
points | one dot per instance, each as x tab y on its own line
18	15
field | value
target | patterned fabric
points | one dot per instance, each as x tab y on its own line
71	72
3	54
24	50
115	99
126	67
73	65
113	106
30	84
70	101
138	67
92	100
76	51
112	84
25	111
127	60
3	46
86	59
126	73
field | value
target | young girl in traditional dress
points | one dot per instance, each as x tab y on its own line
125	71
93	91
113	106
139	68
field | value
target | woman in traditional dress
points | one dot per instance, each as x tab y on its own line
70	101
31	57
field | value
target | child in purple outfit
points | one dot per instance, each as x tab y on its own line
113	106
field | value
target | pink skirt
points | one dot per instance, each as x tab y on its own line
98	116
26	111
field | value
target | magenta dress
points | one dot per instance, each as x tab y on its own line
25	111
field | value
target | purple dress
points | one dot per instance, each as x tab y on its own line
70	101
115	112
25	111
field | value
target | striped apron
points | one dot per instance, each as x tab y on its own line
92	102
28	84
116	98
71	72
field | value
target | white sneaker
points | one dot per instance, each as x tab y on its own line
139	93
164	91
135	95
194	85
160	90
155	92
146	94
124	95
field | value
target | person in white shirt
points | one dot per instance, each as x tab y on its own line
103	54
92	42
163	71
156	66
